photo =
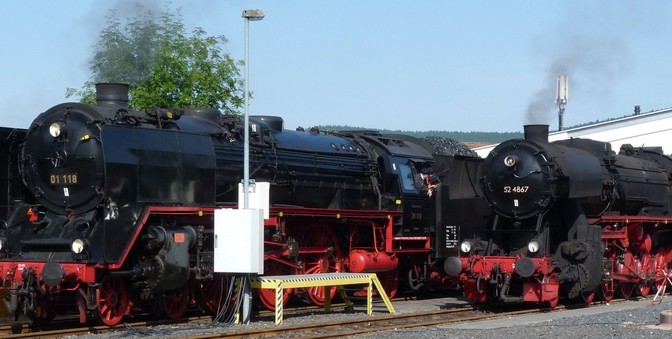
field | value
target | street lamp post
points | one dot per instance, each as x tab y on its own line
249	15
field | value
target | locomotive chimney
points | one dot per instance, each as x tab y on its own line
112	94
537	133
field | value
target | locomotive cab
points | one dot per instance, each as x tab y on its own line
403	183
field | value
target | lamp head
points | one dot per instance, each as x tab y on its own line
253	14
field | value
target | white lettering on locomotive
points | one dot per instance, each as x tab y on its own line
516	189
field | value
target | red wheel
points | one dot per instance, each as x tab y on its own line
319	252
644	289
626	267
267	296
607	291
626	289
215	294
113	301
174	303
659	266
588	297
645	268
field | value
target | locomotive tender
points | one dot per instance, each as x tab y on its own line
571	218
119	215
10	180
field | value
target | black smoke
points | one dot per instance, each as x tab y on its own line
590	48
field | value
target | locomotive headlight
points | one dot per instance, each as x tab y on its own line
533	246
56	128
465	246
510	160
78	246
3	243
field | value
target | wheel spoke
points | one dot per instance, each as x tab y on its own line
113	301
267	296
213	295
328	261
175	303
626	289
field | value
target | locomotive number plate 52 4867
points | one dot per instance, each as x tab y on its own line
516	189
63	179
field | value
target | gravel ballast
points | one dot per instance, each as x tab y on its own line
631	319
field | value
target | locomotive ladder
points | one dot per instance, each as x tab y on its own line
279	282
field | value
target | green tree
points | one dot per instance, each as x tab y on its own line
163	66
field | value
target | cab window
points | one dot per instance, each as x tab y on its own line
407	175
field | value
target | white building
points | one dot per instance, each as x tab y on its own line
646	129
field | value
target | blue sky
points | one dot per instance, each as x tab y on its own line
408	65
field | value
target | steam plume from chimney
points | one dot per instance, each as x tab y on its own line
592	63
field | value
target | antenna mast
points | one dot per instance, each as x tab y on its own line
561	96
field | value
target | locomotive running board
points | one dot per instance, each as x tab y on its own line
280	282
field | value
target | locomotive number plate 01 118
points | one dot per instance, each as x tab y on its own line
63	179
516	189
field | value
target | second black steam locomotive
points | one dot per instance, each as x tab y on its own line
572	218
118	211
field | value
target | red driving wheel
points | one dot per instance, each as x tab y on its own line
215	294
174	303
319	252
113	300
266	295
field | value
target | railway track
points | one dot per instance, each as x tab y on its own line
314	329
340	329
369	325
68	327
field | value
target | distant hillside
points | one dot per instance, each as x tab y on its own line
466	137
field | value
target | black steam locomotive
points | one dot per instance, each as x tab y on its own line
572	218
119	214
